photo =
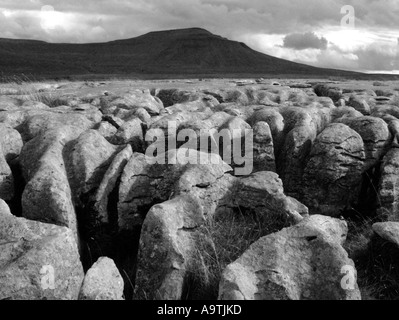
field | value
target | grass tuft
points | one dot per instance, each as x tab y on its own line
223	239
376	261
25	89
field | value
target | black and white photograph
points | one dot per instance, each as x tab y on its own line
199	153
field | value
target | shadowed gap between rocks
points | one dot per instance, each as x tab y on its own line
368	200
19	185
99	240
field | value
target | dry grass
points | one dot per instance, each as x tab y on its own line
25	89
223	240
376	261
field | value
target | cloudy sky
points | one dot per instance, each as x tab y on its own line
346	34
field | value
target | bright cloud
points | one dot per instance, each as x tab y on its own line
301	30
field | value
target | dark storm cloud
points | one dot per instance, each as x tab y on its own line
302	41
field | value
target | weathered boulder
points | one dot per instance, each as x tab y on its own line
106	129
47	195
108	184
276	123
388	231
131	132
302	129
145	183
389	184
194	99
303	262
37	124
11	142
38	261
360	105
87	159
381	110
142	186
139	99
102	282
34	105
334	170
375	134
166	247
263	194
230	95
343	113
113	120
263	153
6	179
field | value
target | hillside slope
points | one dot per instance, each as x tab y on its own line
192	51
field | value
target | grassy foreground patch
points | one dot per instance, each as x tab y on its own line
223	240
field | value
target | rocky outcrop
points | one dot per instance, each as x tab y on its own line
333	172
167	245
262	193
47	196
11	142
102	282
263	149
117	174
135	100
389	184
375	134
87	159
109	183
303	262
45	121
131	132
6	179
360	105
38	261
144	184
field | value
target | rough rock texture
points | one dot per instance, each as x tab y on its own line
109	182
166	248
38	261
388	231
138	99
11	142
102	282
144	184
389	186
87	159
263	149
47	195
302	127
334	170
276	123
106	129
45	121
130	132
375	134
263	193
93	161
360	105
344	112
6	179
303	262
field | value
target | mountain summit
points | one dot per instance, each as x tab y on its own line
183	52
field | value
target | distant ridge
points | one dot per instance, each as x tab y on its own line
179	53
